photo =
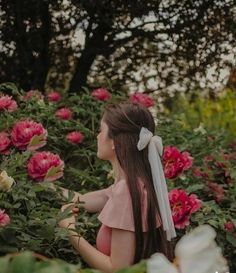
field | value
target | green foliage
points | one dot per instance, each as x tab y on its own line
205	114
29	262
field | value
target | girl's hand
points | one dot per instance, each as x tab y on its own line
70	221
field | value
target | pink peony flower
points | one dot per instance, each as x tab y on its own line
208	158
197	172
4	218
216	191
4	143
45	166
101	94
143	99
33	94
54	96
229	226
7	103
75	137
175	162
187	161
64	113
28	134
182	207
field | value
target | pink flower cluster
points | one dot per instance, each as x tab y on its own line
4	218
74	137
216	172
8	104
101	94
45	166
28	134
25	135
182	207
175	162
142	99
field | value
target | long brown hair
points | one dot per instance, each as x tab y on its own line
125	121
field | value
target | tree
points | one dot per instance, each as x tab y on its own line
129	42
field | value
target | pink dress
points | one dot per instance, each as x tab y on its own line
117	213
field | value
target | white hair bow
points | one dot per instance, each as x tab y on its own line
155	150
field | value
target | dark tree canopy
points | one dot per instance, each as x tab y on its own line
129	42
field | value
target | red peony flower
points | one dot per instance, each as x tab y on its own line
182	207
4	143
75	137
143	99
101	94
45	166
64	113
28	134
54	96
229	226
4	218
33	94
175	162
7	103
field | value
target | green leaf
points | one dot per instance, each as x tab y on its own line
231	238
38	187
36	140
4	264
24	263
194	188
47	231
52	172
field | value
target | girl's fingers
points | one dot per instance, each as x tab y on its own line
75	210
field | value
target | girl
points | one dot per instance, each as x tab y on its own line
134	211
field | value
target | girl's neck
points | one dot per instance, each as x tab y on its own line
118	172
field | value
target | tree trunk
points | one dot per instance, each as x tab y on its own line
42	63
93	46
32	47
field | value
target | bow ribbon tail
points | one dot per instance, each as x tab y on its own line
160	187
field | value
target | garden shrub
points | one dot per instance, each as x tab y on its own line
202	166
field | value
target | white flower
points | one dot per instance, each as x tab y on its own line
159	263
195	252
5	181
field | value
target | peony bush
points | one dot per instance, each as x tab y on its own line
51	138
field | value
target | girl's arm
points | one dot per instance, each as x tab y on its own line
92	201
122	251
